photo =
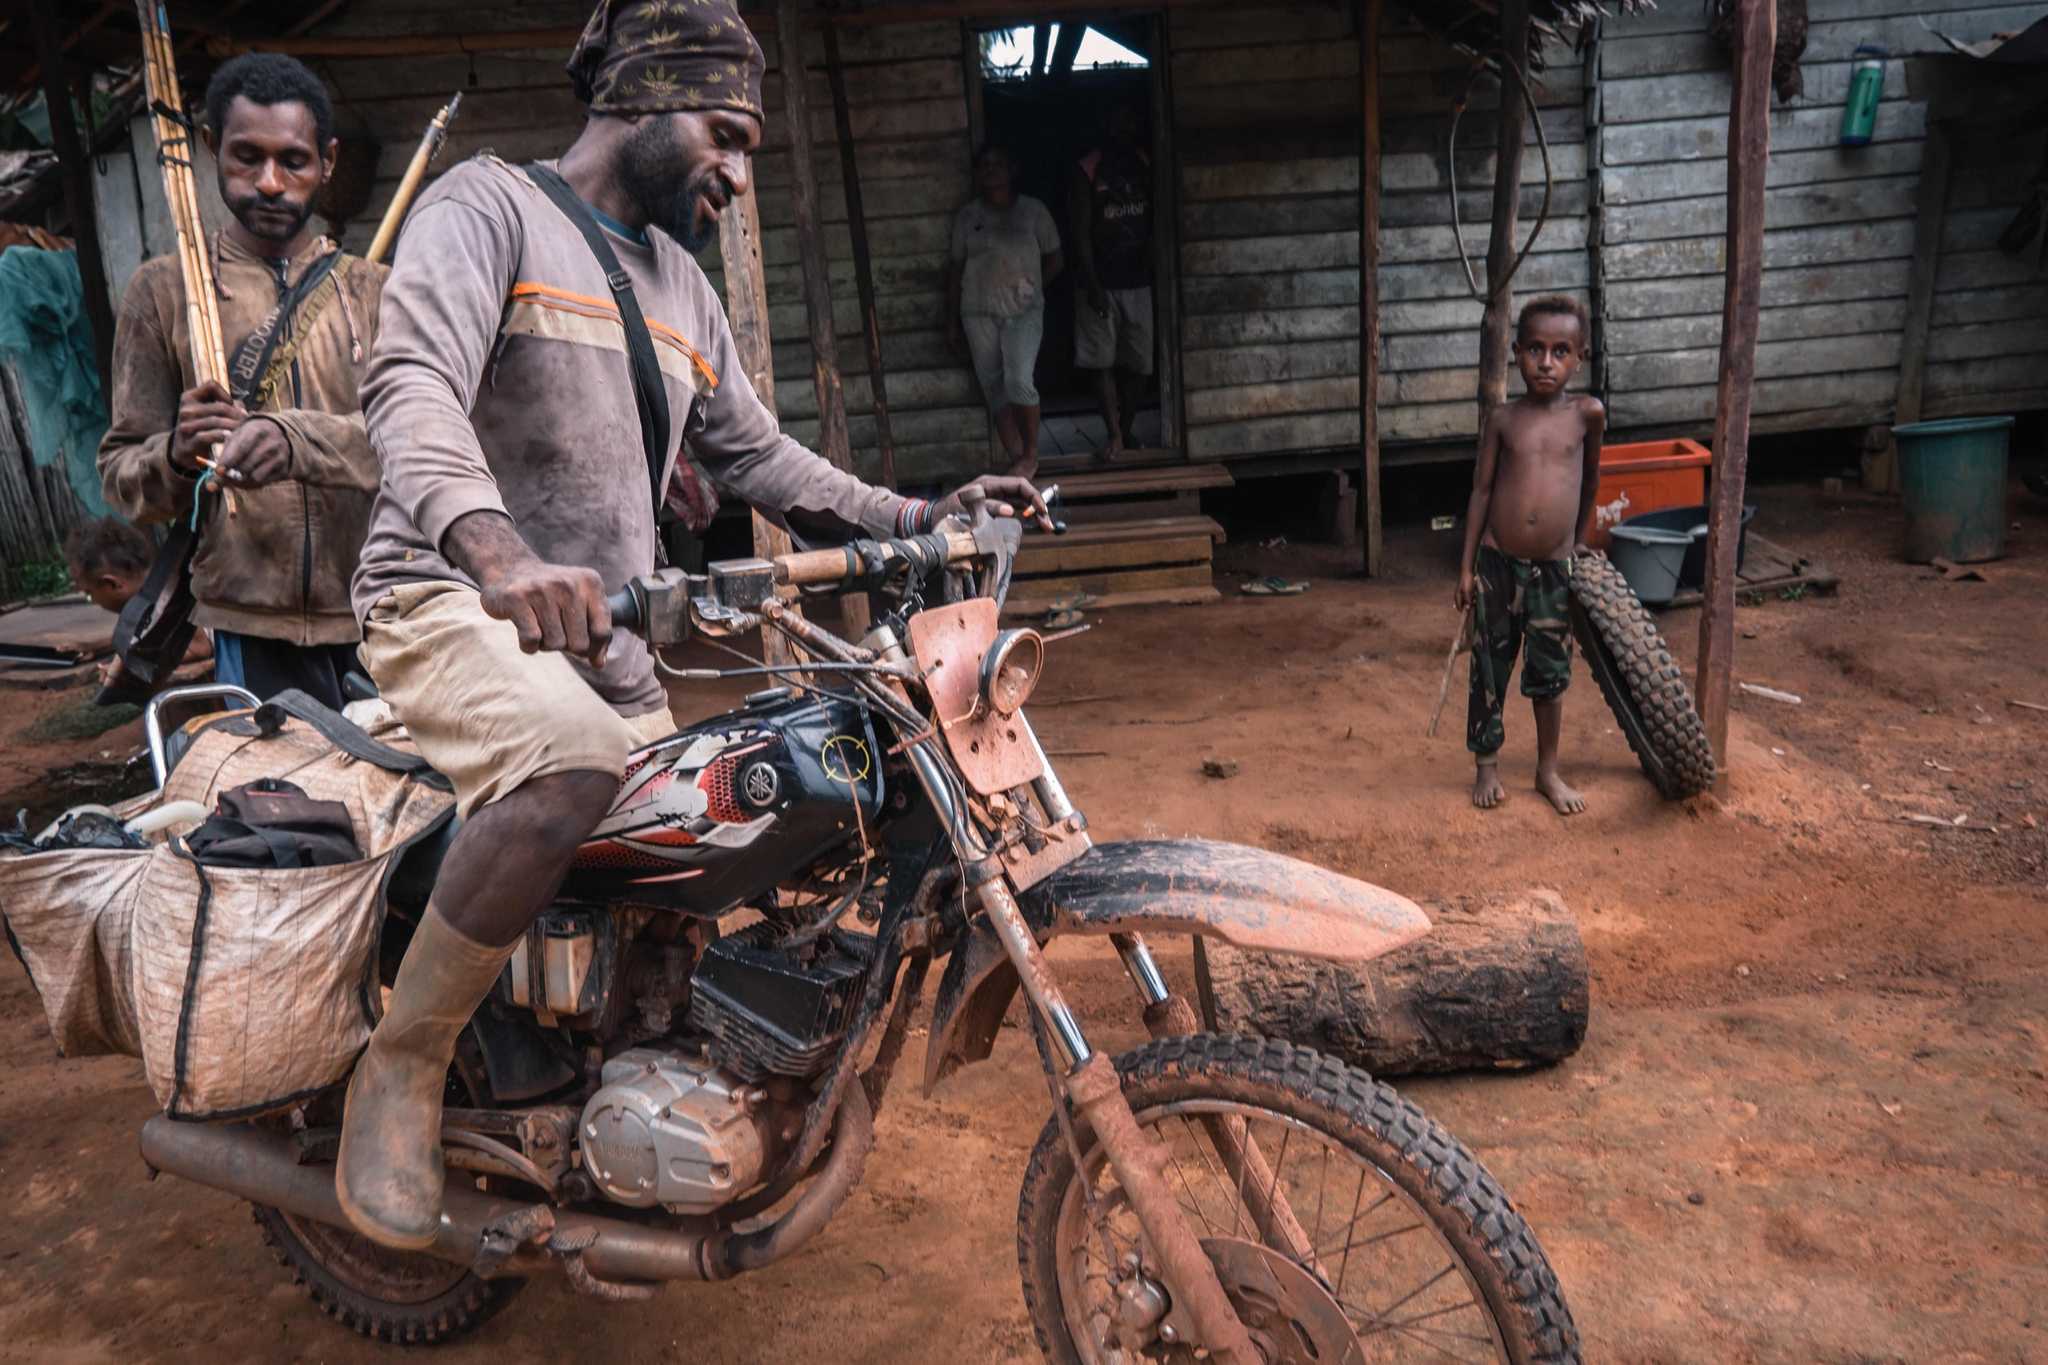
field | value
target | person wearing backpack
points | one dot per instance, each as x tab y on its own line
298	317
548	349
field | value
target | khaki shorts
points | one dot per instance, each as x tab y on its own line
486	713
1119	337
1005	353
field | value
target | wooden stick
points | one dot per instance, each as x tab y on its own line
409	185
1443	691
1749	146
174	153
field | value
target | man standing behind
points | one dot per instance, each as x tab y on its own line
298	318
1111	209
517	491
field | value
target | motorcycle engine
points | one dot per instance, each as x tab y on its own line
670	1129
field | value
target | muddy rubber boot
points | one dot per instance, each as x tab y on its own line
389	1174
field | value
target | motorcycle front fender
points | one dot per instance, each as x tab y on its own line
1246	897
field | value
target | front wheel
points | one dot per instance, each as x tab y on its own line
1377	1237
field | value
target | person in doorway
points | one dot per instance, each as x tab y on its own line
1006	250
516	493
1111	201
286	437
1531	510
109	561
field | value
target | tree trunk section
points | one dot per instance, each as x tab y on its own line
1498	983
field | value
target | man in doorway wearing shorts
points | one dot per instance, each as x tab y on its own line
1111	209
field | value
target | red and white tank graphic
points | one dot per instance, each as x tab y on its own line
677	798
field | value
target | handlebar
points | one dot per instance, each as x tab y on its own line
664	599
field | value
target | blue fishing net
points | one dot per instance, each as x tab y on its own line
46	340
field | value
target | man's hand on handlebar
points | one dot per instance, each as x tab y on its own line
1002	494
554	607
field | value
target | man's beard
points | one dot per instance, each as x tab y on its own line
244	210
669	204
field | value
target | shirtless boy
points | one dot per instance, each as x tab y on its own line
1532	505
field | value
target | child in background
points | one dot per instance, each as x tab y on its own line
109	561
1531	509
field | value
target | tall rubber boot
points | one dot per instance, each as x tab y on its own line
389	1174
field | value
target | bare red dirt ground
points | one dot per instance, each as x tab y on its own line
1806	1125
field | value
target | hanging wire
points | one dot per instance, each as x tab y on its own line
1496	288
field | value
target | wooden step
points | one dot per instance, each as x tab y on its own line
1125	580
1118	483
1148	597
1140	457
1148	528
1067	556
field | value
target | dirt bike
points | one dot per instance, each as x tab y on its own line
677	1076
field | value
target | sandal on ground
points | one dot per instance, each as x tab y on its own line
1273	586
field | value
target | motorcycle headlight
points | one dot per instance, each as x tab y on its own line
1010	669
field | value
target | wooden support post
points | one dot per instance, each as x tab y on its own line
1369	18
1166	242
863	267
1496	328
746	308
75	165
833	441
1936	158
1749	149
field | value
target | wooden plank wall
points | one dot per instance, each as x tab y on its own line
905	89
1267	136
1839	231
1266	122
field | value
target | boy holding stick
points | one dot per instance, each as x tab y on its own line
1532	505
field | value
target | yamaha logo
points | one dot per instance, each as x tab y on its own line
760	785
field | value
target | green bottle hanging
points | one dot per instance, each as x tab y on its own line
1866	88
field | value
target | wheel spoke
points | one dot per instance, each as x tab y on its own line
1441	1316
1356	1219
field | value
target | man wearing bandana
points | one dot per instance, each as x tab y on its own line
516	492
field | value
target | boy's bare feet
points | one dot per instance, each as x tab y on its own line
1564	797
1487	792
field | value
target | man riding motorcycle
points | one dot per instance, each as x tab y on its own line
515	490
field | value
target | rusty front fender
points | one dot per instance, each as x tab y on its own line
1246	897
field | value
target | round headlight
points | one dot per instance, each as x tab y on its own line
1010	669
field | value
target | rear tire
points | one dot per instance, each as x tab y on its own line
401	1297
1641	681
1299	1088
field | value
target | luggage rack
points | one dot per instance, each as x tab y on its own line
176	698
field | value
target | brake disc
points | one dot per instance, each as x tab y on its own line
1292	1318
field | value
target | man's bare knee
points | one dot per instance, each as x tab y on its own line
555	811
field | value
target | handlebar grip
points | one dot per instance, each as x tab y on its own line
624	606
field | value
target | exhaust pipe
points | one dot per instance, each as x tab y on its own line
261	1167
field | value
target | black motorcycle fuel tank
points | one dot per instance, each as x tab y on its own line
723	811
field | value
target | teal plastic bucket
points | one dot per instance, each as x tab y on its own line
1953	477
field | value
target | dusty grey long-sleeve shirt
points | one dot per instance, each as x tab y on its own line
500	383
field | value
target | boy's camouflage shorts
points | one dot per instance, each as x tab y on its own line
1518	600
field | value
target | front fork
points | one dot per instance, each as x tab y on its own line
1137	1158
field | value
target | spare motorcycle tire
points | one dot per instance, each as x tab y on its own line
1641	681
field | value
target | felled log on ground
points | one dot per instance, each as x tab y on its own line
1498	982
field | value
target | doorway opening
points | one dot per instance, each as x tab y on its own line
1049	93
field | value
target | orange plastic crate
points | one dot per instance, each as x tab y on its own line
1651	476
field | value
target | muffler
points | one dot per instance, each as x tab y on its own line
262	1167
